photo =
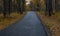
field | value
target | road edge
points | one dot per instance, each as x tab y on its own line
15	22
45	28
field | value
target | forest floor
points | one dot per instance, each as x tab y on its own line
5	22
52	23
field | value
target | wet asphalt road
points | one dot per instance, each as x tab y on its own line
30	25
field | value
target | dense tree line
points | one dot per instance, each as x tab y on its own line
35	4
49	8
57	5
31	6
38	6
9	6
20	6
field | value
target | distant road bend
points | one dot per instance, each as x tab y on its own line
30	25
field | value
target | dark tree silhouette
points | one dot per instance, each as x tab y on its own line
0	6
49	8
38	5
32	6
9	6
14	5
23	5
46	7
4	8
0	9
57	5
19	8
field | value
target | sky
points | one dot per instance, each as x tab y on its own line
28	1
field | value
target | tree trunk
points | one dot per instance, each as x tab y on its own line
4	8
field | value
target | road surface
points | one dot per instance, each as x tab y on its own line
30	25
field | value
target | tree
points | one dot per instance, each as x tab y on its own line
4	8
0	6
57	5
19	8
46	7
9	6
49	7
23	5
31	5
38	5
14	5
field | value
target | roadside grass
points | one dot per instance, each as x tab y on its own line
52	23
5	22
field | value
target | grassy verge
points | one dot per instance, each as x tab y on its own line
5	22
52	23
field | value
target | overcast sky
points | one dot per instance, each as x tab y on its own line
28	1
